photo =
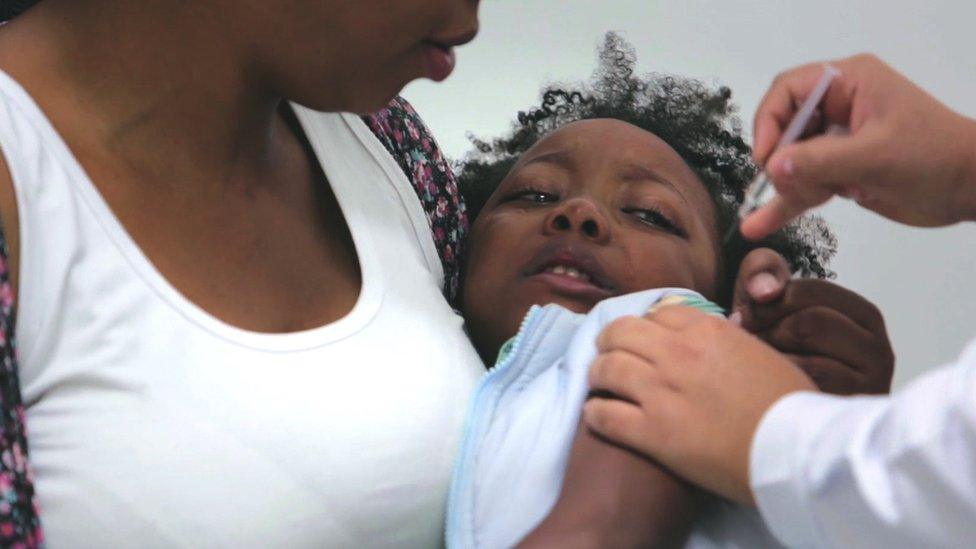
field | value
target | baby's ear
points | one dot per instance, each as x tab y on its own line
763	275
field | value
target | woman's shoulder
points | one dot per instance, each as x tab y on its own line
405	136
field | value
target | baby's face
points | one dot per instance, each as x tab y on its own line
598	208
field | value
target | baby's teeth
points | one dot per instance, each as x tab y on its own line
568	271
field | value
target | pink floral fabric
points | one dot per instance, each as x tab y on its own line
407	138
19	523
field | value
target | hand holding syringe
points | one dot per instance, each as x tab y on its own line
760	191
906	156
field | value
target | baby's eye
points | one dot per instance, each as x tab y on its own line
655	219
536	196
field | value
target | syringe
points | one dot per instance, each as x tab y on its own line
761	189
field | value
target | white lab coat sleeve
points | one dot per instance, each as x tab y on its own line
896	471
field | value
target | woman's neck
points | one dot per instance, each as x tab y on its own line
152	83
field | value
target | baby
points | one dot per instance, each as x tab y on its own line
610	202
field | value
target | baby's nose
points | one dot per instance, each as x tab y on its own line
580	215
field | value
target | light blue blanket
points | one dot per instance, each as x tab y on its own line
522	420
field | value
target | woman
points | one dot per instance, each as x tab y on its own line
230	322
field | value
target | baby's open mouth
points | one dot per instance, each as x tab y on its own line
570	270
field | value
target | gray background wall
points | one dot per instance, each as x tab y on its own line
921	279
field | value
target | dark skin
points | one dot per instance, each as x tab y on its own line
597	188
614	193
833	334
602	192
176	111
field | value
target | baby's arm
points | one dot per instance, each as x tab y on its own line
614	498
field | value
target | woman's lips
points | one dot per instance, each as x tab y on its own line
439	61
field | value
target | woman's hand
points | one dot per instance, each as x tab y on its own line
689	391
907	156
835	335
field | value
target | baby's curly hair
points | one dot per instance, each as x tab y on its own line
697	121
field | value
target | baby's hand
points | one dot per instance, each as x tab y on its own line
835	335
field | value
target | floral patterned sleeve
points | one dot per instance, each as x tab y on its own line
407	138
19	523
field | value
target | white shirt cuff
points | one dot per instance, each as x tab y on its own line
783	440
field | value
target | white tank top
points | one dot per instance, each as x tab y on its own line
152	423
